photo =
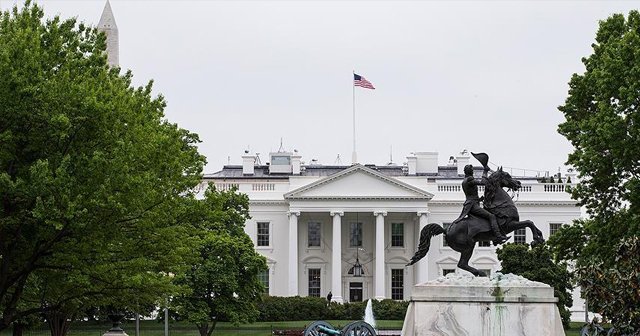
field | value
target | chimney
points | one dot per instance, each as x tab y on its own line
427	162
412	162
248	162
295	163
463	160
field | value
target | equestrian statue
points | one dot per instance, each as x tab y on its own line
491	223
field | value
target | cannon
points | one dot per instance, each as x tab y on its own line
356	328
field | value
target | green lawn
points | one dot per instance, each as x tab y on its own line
153	328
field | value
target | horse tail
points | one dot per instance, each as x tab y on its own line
425	241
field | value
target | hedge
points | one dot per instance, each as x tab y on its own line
296	308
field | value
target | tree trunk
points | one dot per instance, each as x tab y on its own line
59	323
213	326
18	329
203	328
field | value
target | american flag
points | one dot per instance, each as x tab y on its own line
362	82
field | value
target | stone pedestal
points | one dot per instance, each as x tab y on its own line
115	329
464	305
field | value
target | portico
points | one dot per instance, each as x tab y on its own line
356	214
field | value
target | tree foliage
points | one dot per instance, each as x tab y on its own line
602	113
91	175
603	119
537	264
615	291
223	282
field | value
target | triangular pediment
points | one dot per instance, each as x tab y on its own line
358	182
447	260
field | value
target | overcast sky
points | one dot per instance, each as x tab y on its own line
482	76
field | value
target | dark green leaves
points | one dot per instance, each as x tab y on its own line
602	121
223	282
92	176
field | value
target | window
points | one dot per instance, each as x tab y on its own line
280	160
314	282
554	227
355	236
484	243
314	234
263	276
446	228
397	234
520	236
446	271
263	234
397	284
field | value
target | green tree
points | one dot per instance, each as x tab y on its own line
537	264
616	291
223	282
90	175
602	122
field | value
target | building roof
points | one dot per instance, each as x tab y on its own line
262	172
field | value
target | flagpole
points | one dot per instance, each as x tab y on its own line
354	157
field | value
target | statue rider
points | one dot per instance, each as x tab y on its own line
472	202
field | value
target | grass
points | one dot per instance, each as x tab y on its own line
154	328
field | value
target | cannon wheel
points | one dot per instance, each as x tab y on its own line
313	330
358	328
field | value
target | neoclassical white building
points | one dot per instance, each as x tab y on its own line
314	222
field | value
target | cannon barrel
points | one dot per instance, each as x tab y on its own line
328	330
356	328
320	328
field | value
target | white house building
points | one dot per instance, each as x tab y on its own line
314	223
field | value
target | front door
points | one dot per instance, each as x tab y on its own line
355	292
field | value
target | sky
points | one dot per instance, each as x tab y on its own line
486	76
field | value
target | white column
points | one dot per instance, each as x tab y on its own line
293	253
379	275
336	257
422	267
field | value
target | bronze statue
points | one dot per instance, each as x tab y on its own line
471	204
470	228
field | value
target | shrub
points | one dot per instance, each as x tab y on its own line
390	309
296	308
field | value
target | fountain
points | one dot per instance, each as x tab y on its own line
368	315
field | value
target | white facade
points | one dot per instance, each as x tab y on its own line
303	222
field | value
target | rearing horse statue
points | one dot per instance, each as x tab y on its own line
463	235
